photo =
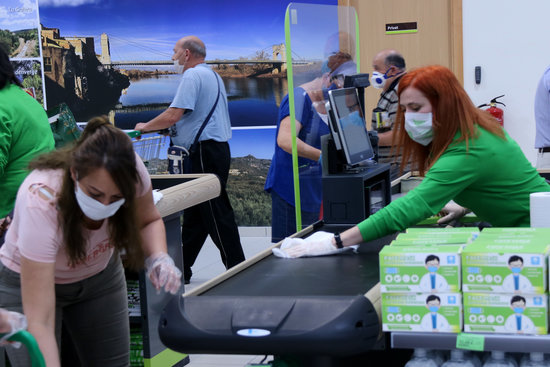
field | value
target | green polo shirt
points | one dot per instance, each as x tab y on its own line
492	178
24	133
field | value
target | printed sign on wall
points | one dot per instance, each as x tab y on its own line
19	35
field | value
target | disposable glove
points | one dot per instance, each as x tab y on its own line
319	243
452	211
11	322
163	273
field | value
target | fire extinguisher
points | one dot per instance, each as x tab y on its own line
494	110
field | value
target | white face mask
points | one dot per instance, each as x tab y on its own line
419	126
92	208
177	67
378	80
323	117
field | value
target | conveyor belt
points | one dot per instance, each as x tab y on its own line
346	274
282	306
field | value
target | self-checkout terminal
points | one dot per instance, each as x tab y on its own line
355	185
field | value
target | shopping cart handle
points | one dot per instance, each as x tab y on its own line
137	133
133	133
26	338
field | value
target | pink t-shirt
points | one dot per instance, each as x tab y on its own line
35	232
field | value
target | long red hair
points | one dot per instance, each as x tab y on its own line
452	111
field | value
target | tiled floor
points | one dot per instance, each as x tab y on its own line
209	265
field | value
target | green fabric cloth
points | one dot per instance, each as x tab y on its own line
492	178
24	133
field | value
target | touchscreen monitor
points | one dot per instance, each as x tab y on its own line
348	124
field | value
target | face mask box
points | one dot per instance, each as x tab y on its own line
516	231
505	265
428	268
463	234
424	312
434	238
506	313
439	230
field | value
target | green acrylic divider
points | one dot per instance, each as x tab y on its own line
324	15
357	53
292	108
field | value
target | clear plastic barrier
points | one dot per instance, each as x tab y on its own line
321	48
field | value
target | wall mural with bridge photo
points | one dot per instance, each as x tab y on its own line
114	57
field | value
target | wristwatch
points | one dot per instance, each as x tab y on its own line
338	240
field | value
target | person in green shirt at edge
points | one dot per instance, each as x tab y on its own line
24	133
465	156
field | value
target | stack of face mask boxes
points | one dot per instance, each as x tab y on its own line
420	279
504	279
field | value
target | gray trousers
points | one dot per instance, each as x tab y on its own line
94	312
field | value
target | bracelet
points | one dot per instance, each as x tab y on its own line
338	240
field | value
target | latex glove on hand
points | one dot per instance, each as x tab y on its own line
452	211
319	243
163	273
11	322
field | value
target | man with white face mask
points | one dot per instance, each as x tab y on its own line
388	68
201	101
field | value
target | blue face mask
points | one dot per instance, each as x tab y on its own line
433	308
518	309
516	269
432	269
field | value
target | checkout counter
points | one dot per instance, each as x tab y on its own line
321	309
179	192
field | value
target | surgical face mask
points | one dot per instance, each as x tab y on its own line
433	308
92	208
419	127
177	67
516	270
432	269
518	309
323	117
378	80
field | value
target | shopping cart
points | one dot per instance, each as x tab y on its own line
151	147
26	338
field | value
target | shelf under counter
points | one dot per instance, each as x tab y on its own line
448	341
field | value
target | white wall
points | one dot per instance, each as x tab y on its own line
510	40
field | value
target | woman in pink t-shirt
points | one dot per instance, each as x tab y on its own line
75	214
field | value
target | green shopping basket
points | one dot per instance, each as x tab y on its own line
26	338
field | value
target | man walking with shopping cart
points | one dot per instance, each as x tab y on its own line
199	121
